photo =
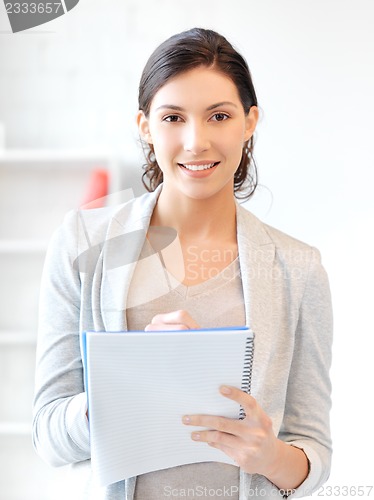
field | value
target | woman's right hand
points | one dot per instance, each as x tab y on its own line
175	320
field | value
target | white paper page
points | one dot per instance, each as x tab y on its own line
141	384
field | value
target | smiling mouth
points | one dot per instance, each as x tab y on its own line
197	168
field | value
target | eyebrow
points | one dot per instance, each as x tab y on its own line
209	108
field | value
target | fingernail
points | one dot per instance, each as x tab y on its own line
195	436
186	419
225	390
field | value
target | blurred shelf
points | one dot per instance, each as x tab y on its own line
17	337
15	429
23	246
19	157
37	189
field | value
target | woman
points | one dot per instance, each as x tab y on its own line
197	114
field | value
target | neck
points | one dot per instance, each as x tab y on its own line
197	219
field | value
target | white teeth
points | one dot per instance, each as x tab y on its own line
198	167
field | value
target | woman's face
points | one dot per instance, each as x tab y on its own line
198	127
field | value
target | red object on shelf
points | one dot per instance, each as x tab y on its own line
97	189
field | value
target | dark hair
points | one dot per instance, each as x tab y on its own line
181	53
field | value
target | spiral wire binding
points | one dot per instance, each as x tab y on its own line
247	372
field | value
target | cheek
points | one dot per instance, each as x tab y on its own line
165	142
231	143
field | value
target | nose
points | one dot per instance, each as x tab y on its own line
196	138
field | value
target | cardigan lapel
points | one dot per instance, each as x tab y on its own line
124	241
256	255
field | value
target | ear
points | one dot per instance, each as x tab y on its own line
250	122
143	126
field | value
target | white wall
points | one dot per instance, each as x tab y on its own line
73	83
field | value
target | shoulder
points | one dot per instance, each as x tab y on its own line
94	226
295	257
289	246
83	233
295	263
261	234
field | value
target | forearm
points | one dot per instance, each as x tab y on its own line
290	467
60	431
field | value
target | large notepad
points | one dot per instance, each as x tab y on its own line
140	384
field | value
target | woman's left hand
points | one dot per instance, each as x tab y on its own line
250	442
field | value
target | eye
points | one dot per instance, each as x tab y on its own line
219	117
172	118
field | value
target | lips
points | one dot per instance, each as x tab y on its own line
198	166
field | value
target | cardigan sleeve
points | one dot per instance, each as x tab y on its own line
60	427
308	402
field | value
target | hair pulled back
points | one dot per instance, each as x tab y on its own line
183	52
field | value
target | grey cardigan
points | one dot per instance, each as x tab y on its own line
287	304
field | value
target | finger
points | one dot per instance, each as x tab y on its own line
217	437
152	327
222	424
245	400
175	317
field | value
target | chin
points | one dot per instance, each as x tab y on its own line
203	193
